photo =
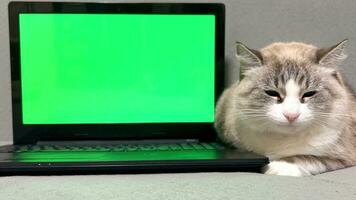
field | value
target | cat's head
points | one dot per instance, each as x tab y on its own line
287	86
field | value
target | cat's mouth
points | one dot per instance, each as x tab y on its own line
287	124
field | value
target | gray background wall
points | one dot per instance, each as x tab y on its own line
254	22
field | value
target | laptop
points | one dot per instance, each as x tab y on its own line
117	88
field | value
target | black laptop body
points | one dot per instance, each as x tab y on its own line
117	88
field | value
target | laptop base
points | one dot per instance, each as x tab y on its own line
111	162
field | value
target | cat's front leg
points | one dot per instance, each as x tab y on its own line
304	165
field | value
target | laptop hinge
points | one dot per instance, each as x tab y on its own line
112	142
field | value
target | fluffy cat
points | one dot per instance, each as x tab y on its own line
292	106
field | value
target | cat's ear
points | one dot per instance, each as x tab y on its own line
248	57
332	56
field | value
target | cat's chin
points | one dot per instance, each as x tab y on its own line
280	127
289	128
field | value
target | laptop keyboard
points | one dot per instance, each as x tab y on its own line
120	147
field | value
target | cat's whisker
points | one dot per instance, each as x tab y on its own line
334	117
251	114
331	114
254	115
249	117
320	122
242	109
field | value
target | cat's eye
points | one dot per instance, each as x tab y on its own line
309	94
273	93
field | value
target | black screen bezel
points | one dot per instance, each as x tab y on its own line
29	134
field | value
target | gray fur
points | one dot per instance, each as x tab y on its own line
325	142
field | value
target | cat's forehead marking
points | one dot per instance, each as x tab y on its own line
289	61
292	88
283	72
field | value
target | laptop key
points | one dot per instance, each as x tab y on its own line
145	147
197	146
118	148
163	147
132	148
217	146
187	146
175	147
207	146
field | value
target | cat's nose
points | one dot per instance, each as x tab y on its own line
291	116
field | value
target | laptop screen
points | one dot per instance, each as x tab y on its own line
117	68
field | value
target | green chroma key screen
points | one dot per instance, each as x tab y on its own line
117	68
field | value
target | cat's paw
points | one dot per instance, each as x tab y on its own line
284	168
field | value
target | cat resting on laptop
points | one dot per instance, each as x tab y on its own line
292	106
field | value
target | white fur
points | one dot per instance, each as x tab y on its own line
291	104
312	167
292	88
303	168
285	169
